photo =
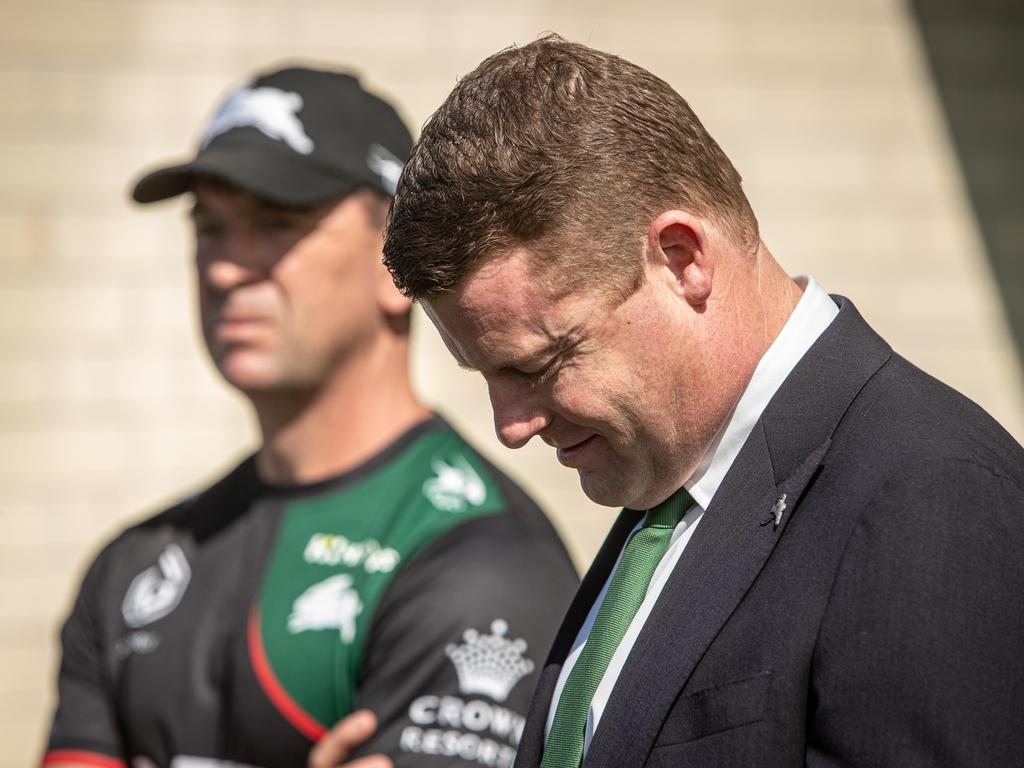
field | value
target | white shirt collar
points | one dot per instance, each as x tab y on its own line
812	315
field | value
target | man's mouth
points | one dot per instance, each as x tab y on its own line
571	455
238	327
240	316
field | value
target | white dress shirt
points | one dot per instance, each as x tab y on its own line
812	315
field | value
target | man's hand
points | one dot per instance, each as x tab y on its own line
337	744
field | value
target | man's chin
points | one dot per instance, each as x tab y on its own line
623	489
248	375
604	489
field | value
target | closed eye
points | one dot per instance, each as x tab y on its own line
546	372
564	353
540	375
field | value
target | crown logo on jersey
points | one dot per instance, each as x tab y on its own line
489	664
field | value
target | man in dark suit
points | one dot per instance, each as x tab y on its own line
819	560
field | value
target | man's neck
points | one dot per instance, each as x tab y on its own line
312	435
755	300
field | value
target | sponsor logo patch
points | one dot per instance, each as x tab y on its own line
489	664
140	642
473	729
187	761
335	549
451	743
455	486
156	591
329	604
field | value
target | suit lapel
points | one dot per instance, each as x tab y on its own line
727	551
735	537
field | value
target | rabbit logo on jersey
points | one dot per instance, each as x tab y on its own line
156	591
271	111
455	486
328	604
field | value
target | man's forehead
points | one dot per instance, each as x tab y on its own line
501	315
514	274
502	347
496	289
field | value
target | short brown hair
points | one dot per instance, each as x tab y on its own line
550	145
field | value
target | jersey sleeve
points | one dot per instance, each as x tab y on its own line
84	728
458	642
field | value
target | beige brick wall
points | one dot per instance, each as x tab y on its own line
107	406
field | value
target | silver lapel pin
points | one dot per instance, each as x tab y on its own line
778	508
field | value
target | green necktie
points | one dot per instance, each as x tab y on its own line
640	557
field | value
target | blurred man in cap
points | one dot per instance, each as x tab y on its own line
365	557
819	563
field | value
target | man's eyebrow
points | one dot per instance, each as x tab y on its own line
513	364
548	352
545	354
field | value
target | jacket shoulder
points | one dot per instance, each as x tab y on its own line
903	418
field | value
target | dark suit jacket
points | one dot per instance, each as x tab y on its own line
880	624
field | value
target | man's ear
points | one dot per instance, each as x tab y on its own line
679	241
391	300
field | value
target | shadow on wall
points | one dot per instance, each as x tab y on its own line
976	52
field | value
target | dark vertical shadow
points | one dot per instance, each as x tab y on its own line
976	51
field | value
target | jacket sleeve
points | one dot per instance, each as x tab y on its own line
84	726
458	642
920	657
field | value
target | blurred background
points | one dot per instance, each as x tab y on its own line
879	141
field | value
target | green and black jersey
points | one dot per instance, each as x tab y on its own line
242	623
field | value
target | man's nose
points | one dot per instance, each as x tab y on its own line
519	413
234	261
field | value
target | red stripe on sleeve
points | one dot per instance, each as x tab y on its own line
80	756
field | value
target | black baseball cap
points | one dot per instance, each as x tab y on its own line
295	136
